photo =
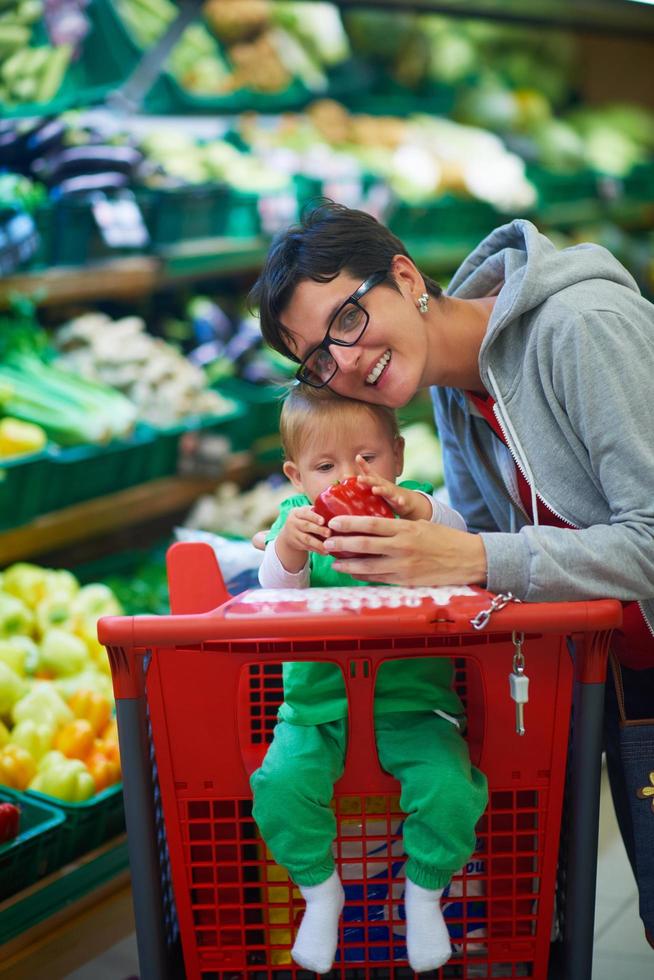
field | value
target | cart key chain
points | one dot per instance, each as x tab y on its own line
519	683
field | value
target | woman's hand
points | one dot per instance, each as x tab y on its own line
408	552
302	532
409	504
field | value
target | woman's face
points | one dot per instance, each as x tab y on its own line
388	364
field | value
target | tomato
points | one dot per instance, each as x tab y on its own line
352	499
9	820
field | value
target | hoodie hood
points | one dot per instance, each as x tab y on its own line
528	269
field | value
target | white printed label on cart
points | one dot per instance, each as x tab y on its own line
351	599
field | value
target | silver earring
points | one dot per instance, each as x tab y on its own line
423	302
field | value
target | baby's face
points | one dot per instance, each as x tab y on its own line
329	454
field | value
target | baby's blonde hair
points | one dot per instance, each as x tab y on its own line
305	408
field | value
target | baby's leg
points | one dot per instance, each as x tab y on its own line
443	797
292	795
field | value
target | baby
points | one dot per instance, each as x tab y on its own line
418	716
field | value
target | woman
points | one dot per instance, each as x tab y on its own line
541	368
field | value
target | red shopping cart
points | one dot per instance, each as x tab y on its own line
197	694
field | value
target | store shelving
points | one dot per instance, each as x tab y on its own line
114	512
624	17
95	890
124	277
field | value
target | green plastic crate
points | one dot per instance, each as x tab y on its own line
79	473
37	849
101	67
74	235
30	908
23	482
566	199
639	184
168	96
43	219
169	438
379	96
263	405
87	825
184	213
446	218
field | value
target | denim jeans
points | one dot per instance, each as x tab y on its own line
630	765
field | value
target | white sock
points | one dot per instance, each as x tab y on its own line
427	939
317	938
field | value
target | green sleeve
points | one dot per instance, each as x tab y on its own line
299	500
414	485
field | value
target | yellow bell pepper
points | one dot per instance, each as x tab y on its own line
12	688
17	767
14	657
33	736
43	704
15	616
63	653
93	706
75	739
4	734
26	582
66	779
110	733
18	437
105	771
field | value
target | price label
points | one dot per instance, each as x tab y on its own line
277	211
344	190
203	454
120	221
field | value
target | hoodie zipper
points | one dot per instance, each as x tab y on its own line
647	622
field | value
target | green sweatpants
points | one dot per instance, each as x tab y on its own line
442	794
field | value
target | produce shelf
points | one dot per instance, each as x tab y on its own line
85	891
589	16
105	515
136	276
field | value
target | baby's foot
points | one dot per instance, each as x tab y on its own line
317	938
427	939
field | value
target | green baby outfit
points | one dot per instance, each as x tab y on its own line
442	794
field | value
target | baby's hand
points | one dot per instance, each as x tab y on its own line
409	504
302	532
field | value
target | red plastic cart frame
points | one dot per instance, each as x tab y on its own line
199	615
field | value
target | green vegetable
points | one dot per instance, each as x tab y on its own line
53	73
12	688
67	779
36	737
13	66
42	704
63	653
71	409
15	616
12	37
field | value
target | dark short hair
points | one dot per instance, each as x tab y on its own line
329	239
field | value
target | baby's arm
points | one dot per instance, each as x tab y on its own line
288	554
273	575
444	514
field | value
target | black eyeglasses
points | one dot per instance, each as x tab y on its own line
346	328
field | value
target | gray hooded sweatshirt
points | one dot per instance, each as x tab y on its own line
568	357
